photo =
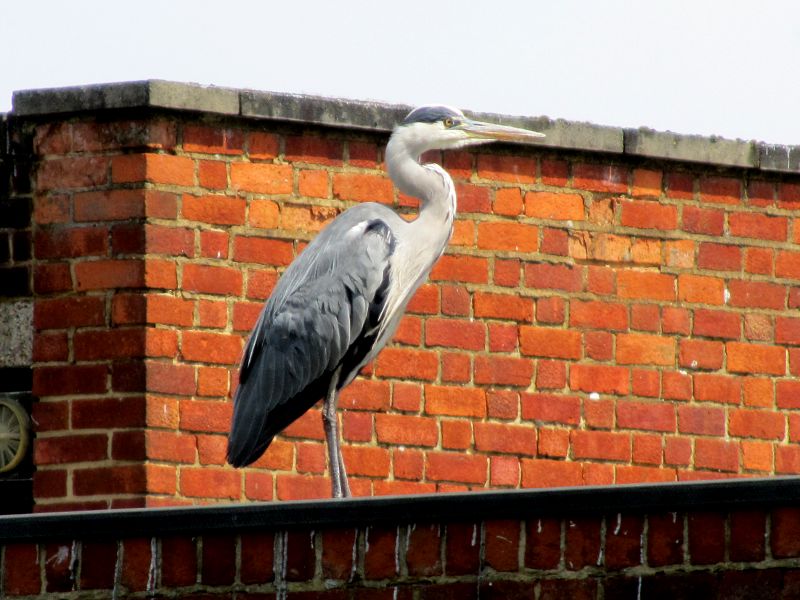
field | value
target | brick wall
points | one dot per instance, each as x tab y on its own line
599	317
510	545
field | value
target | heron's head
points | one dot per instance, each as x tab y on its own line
444	128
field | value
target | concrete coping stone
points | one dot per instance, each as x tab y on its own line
382	117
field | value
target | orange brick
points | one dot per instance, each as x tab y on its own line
756	358
508	201
519	440
787	264
362	188
553	443
212	280
649	215
264	214
757	391
262	250
599	378
503	306
261	178
700	354
202	346
598	315
456	434
405	363
313	183
406	429
645	285
153	168
757	456
700	289
468	269
502	370
550	342
642	349
544	473
604	445
211	482
502	235
218	210
554	276
212	174
549	205
455	401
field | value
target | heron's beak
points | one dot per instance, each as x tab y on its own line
503	133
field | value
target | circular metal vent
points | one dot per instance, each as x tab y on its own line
14	434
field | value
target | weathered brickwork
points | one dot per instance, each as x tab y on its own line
750	553
597	318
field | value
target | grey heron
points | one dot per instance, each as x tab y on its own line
340	301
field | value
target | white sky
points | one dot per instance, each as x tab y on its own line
725	67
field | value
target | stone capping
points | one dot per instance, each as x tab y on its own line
381	117
717	496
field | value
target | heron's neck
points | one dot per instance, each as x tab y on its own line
432	185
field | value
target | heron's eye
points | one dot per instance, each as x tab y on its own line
449	122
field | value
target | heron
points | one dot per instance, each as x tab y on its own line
340	301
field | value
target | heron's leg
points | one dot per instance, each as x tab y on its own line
343	476
331	425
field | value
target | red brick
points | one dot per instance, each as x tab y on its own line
706	538
719	324
212	280
701	220
502	337
456	466
646	382
649	215
758	327
720	190
677	450
545	473
153	168
70	379
74	311
700	354
681	185
128	479
757	423
646	285
646	415
787	330
600	178
453	333
599	378
261	178
624	539
513	169
202	346
665	539
104	274
701	420
647	183
72	173
70	449
504	471
212	140
756	225
548	342
785	531
787	460
554	172
362	188
366	461
171	446
210	482
212	174
365	394
550	310
787	264
599	345
582	542
501	370
755	358
554	277
716	388
455	401
757	294
423	552
405	363
757	391
262	250
555	242
510	236
205	416
503	404
552	408
759	260
598	315
468	269
218	210
505	438
719	257
553	443
551	375
717	455
456	434
407	430
787	393
602	445
501	545
472	199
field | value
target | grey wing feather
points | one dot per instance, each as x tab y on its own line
320	309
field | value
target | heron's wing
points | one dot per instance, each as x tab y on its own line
327	303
